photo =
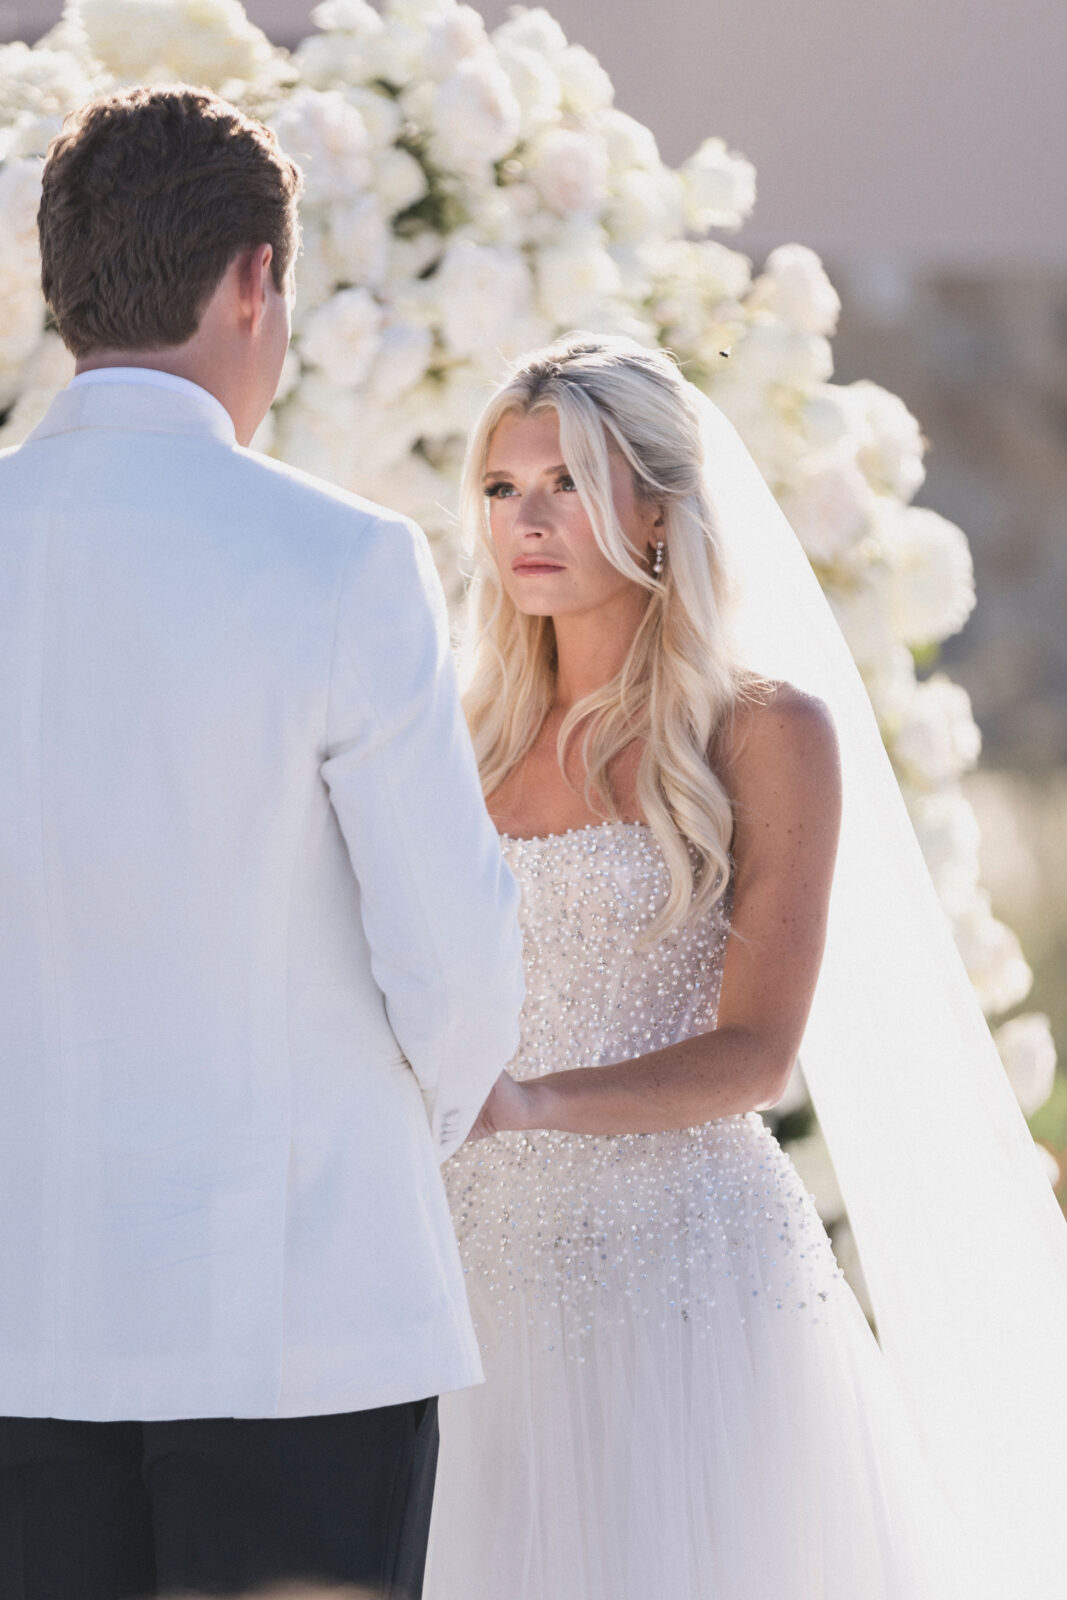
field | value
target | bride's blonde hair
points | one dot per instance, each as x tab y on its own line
680	682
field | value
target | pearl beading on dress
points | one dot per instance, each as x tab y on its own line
576	1233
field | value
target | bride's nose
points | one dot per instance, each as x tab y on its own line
533	514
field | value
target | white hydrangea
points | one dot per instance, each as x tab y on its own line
720	186
209	42
938	739
1029	1055
342	338
43	82
794	286
327	136
932	573
569	170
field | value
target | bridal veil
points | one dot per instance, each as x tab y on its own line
963	1245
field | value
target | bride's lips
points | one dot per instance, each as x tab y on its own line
535	566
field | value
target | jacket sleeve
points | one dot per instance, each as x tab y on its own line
439	904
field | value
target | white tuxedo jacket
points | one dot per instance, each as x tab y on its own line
259	956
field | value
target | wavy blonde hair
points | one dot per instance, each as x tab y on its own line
680	684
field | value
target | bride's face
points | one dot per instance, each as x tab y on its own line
549	561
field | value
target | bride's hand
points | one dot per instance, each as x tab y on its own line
506	1110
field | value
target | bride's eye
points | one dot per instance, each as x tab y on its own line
497	491
566	482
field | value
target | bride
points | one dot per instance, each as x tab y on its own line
683	1397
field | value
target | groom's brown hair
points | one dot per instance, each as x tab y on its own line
148	195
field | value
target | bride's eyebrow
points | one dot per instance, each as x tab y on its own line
502	472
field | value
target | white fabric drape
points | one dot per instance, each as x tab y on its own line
963	1245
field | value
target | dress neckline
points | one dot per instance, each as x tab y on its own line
570	833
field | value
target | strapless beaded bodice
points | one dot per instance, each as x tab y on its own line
592	994
570	1231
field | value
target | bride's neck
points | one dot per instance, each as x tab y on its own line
590	651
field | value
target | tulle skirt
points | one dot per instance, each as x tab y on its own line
684	1400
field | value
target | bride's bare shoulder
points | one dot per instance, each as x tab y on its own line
782	735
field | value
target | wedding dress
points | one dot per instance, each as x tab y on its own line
684	1400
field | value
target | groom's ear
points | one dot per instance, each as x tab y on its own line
254	282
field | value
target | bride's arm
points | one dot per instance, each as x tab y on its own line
783	775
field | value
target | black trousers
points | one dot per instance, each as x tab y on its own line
116	1510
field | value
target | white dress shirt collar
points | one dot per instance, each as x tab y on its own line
152	377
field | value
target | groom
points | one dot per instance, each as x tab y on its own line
259	958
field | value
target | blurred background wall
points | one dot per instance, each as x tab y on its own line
919	148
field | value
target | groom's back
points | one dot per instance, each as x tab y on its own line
216	1151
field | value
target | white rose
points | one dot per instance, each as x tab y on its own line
828	418
316	279
584	85
415	489
531	30
829	504
397	54
932	587
1028	1052
795	287
481	291
208	42
43	82
316	429
342	337
535	85
720	187
772	352
892	449
949	836
347	16
768	435
476	118
646	202
890	683
862	612
452	37
411	257
381	115
576	278
329	140
937	740
992	955
629	143
332	60
399	180
22	324
569	170
290	376
360	237
403	356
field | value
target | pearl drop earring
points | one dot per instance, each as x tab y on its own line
657	559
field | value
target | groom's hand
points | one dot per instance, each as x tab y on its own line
505	1110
